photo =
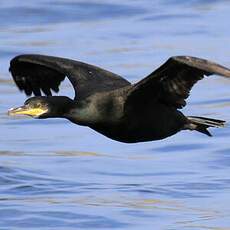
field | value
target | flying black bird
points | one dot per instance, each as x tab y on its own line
145	111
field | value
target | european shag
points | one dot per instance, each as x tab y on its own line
145	111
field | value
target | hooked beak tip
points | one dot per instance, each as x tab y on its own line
24	110
15	111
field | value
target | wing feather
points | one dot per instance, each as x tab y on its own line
35	74
172	82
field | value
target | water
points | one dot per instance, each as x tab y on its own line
55	175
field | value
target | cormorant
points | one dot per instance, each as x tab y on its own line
145	111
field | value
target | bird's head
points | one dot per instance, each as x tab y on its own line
44	107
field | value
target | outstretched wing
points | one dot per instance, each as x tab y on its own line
39	73
171	83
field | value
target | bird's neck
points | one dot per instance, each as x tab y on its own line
80	113
61	106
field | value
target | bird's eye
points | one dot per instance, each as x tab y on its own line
37	105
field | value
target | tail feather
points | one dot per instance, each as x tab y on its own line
201	124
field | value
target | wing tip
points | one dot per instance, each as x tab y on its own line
21	76
209	67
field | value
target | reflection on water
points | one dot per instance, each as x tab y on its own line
56	175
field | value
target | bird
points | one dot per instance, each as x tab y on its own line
148	110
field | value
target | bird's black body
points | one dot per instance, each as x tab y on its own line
132	129
109	104
110	118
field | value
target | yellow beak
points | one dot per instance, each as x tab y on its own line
23	110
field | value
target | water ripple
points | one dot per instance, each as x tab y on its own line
55	175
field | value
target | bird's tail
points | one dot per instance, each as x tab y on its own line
201	124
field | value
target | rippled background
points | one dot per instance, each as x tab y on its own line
56	175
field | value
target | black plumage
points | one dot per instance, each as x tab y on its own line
106	102
32	73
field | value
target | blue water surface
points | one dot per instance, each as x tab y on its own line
56	175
